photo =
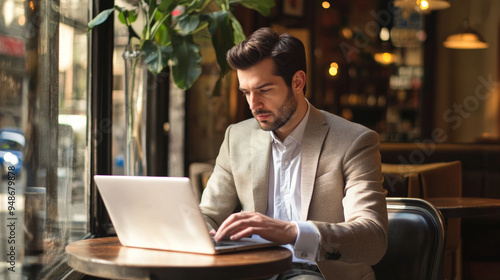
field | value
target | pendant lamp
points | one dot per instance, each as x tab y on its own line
422	6
465	38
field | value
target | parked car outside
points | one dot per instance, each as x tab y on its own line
11	150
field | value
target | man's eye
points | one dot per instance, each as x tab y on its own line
264	90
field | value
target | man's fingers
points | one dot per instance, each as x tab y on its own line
222	231
243	224
232	225
245	232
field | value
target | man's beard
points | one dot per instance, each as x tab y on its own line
285	112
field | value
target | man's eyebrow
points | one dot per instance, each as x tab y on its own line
259	87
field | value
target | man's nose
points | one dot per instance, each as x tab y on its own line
254	101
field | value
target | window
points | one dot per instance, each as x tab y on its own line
44	105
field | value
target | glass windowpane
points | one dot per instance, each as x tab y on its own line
43	133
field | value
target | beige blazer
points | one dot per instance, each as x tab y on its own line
341	188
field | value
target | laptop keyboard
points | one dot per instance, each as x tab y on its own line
222	243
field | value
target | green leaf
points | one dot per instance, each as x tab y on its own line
223	4
163	36
127	17
261	6
100	18
222	38
189	23
158	15
156	56
238	33
202	26
186	61
183	2
121	17
196	6
166	6
160	22
151	8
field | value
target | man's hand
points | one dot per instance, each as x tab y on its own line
244	224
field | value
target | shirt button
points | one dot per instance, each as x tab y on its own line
286	162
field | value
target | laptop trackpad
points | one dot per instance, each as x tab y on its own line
225	243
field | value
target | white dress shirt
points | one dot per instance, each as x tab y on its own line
284	191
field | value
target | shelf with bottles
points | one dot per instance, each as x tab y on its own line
397	122
400	125
362	92
369	101
405	87
365	86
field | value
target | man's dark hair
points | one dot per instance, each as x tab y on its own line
286	51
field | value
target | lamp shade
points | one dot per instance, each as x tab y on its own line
466	38
422	5
432	5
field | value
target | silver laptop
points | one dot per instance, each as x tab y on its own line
162	213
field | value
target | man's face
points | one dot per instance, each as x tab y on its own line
272	101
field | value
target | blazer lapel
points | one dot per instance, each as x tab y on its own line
259	173
314	136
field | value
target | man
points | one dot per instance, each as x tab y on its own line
300	176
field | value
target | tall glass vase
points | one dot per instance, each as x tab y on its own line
135	113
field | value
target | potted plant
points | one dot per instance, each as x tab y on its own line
167	39
167	35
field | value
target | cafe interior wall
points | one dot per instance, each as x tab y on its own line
210	112
458	73
207	110
466	102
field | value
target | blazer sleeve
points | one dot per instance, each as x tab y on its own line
362	236
219	199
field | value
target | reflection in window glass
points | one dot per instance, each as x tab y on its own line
43	134
119	130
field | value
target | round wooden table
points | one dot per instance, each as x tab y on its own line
107	258
462	207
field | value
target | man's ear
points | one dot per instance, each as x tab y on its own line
299	81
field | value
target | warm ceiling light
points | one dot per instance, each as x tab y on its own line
334	69
385	54
384	34
347	33
422	5
466	38
431	5
385	58
325	5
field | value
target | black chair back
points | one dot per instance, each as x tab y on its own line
416	238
